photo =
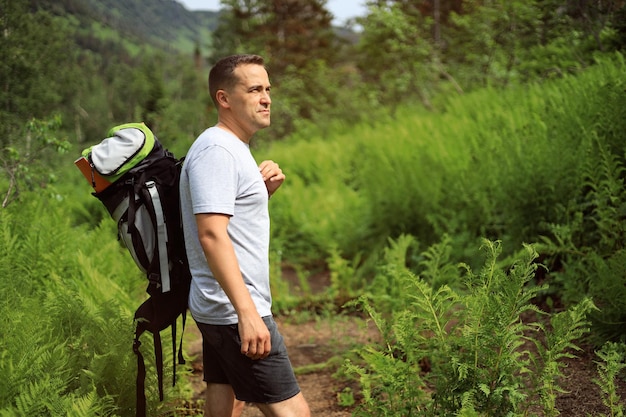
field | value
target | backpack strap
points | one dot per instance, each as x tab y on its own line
161	231
138	249
141	378
173	326
141	368
181	358
145	321
158	358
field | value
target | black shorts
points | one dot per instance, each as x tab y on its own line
265	381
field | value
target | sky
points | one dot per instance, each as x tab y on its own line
341	9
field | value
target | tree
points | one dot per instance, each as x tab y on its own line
410	46
496	41
330	94
285	32
23	163
37	64
396	53
485	38
37	82
593	17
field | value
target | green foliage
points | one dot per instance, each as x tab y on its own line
337	102
590	243
491	165
612	364
68	294
276	31
40	375
41	371
465	352
282	297
165	24
406	52
38	70
27	162
432	47
396	51
567	328
299	228
345	281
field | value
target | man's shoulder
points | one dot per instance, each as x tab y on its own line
216	137
208	141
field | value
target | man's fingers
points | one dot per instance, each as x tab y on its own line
268	348
256	351
255	338
270	169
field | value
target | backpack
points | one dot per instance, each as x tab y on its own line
136	179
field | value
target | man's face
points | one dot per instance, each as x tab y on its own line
250	98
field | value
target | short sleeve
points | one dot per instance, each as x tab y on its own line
213	181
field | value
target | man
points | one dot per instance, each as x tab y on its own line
224	198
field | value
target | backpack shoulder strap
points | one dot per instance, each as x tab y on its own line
161	231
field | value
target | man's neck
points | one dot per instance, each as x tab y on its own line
234	130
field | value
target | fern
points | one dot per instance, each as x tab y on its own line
491	366
437	267
39	398
344	281
388	285
567	327
391	386
89	405
591	245
67	302
606	197
468	348
613	362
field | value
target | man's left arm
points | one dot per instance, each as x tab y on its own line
272	176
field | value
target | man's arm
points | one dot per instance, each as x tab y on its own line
220	254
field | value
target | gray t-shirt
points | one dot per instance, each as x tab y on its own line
220	175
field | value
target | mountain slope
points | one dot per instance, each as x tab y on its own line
159	23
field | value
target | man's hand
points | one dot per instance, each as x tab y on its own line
272	175
255	337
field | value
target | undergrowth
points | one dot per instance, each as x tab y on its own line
590	244
67	328
483	349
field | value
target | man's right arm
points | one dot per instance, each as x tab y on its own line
220	254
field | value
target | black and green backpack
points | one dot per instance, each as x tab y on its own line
136	179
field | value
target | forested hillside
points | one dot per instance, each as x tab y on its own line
455	170
97	63
164	24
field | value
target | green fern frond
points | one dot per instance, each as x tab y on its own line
607	198
365	305
89	405
437	269
567	327
612	363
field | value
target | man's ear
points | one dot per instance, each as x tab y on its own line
222	98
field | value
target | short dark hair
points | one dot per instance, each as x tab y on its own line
221	76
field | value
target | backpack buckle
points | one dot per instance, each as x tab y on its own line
155	279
